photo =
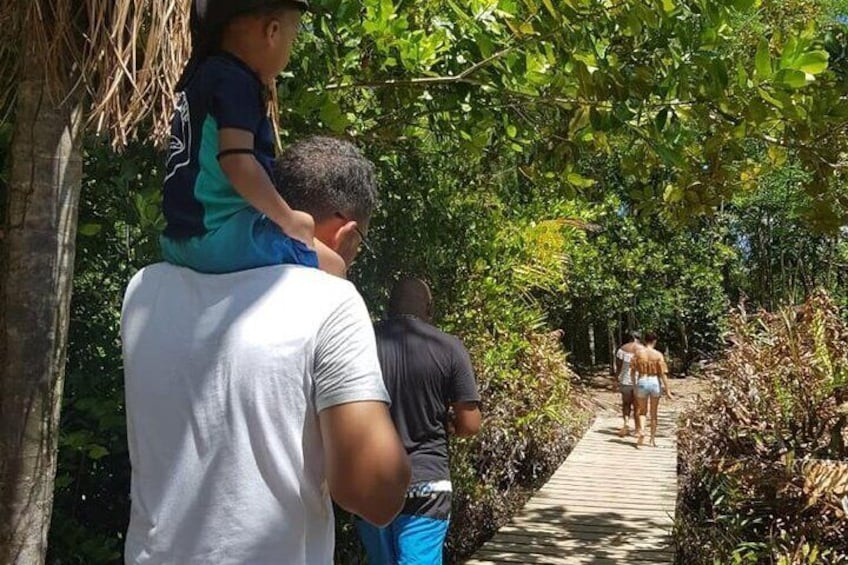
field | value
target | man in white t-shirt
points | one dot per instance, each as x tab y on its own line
254	397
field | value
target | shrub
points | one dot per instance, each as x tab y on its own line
762	457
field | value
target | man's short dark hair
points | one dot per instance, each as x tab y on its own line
325	176
651	337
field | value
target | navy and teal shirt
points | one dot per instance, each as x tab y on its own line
222	93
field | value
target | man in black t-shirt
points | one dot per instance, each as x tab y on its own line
431	383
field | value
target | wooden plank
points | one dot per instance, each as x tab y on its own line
606	502
603	469
653	529
612	481
603	484
557	558
624	467
542	510
628	540
587	483
588	530
573	560
634	489
611	461
603	498
568	560
624	555
628	554
613	522
610	505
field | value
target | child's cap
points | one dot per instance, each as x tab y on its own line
202	6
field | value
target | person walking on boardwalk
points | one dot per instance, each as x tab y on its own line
649	377
623	357
431	383
254	397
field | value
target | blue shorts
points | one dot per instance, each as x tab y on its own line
246	241
648	386
408	540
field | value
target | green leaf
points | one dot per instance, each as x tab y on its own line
332	116
579	121
745	5
662	119
579	181
672	194
741	77
90	230
549	5
791	78
670	156
789	54
777	155
763	60
768	97
97	452
812	62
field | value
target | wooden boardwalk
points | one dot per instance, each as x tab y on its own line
608	503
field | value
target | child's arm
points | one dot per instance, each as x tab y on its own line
251	181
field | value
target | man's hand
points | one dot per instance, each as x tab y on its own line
466	419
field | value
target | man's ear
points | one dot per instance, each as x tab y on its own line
272	29
343	234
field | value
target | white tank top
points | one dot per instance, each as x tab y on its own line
624	375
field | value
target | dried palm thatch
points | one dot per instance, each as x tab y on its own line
125	56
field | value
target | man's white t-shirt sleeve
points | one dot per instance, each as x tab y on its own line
346	365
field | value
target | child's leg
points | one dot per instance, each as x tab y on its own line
269	245
248	240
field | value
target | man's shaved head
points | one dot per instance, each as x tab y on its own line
411	297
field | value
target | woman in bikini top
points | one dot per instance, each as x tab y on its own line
650	367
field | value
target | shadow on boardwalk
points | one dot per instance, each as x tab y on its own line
608	503
600	538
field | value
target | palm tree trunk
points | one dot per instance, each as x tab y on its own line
36	270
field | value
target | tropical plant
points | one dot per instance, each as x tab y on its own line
762	456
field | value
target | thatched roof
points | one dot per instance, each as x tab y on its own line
125	55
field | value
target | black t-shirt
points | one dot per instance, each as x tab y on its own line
425	370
